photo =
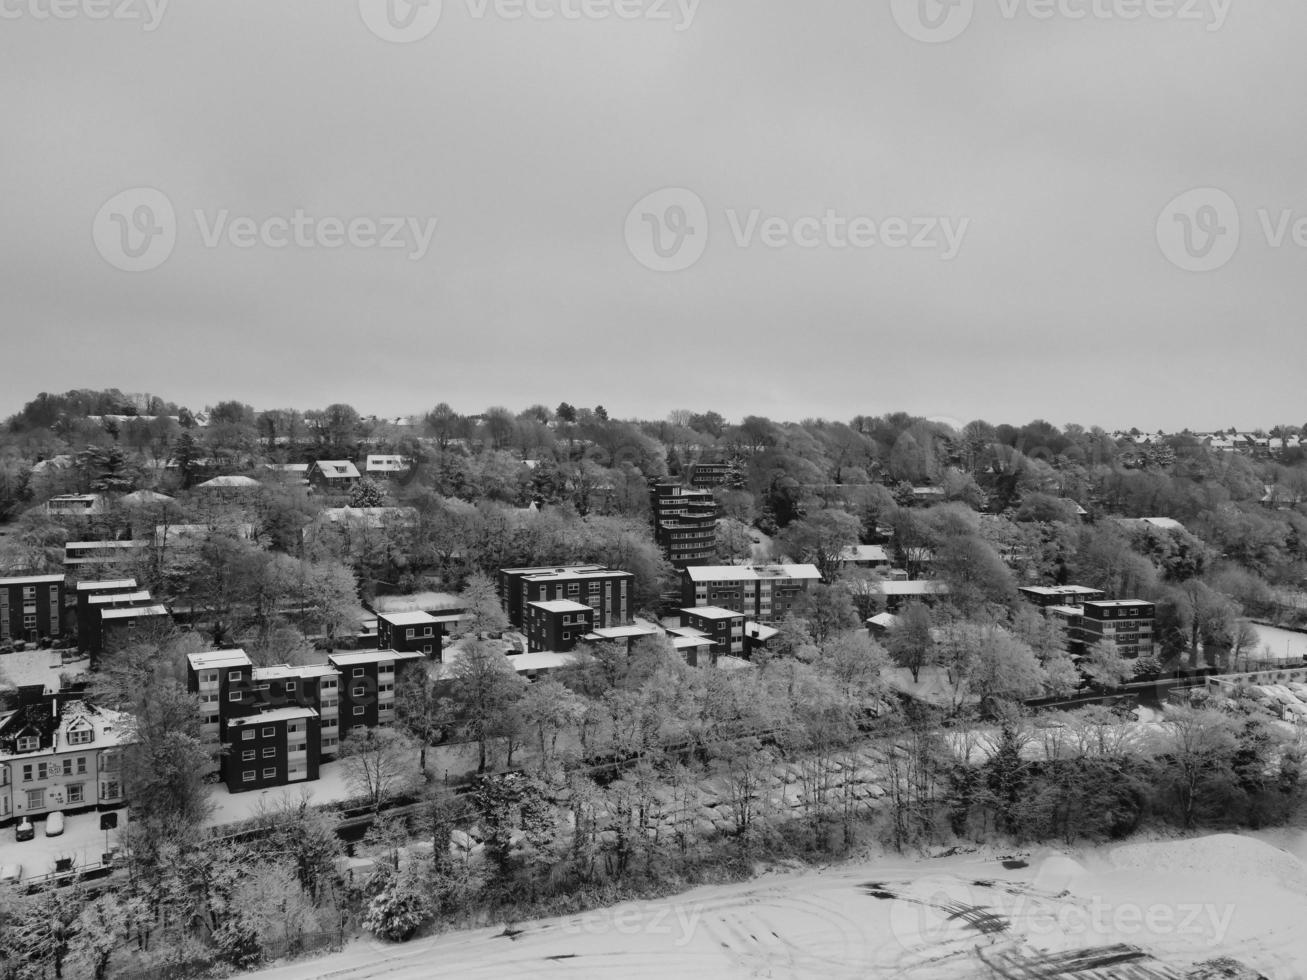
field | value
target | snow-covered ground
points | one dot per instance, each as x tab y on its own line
82	840
30	667
955	918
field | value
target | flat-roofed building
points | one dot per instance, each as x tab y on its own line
512	591
410	632
112	556
557	626
725	627
763	593
368	680
607	592
685	524
1126	624
1060	595
119	626
31	608
272	748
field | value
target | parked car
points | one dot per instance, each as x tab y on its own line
24	830
54	824
11	874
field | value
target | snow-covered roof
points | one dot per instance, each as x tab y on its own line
337	469
919	587
408	618
217	659
713	612
33	580
270	717
561	606
228	483
354	659
751	573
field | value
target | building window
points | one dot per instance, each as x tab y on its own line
29	743
247	755
234	696
269	773
358	671
234	677
247	776
112	791
358	692
269	732
35	799
358	710
27	774
270	753
247	735
409	634
290	686
81	736
76	793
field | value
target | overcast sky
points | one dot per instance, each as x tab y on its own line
1051	147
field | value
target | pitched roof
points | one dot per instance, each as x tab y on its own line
336	469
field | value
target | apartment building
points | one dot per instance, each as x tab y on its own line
75	505
368	680
557	626
123	555
291	713
762	593
609	593
512	592
1126	624
725	627
410	632
685	524
709	476
57	752
31	608
1060	595
120	625
273	748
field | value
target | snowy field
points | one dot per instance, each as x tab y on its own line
1281	644
1140	911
